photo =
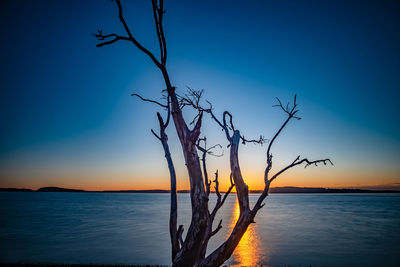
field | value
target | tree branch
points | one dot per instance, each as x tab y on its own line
129	38
206	151
192	98
158	12
290	111
134	41
217	229
195	133
262	140
220	202
102	37
156	135
217	187
151	101
291	114
298	162
157	23
226	113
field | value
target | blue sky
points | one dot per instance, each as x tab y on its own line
69	119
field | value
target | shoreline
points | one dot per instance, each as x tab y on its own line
274	190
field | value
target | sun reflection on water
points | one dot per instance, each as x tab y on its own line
247	253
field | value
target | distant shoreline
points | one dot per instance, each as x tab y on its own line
281	190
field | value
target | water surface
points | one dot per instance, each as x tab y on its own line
292	229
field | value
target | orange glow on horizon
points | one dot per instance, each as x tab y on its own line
332	178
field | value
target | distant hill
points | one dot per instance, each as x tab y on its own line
59	189
15	190
292	189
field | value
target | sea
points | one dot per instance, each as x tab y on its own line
132	228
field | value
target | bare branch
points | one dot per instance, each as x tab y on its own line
192	98
102	37
291	114
157	22
226	113
156	135
217	229
298	162
206	151
225	127
174	201
130	37
158	12
290	111
213	116
205	174
229	189
217	187
195	133
150	100
210	151
262	140
168	110
220	202
134	41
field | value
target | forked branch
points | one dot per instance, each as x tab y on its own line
210	232
220	200
291	112
206	151
130	37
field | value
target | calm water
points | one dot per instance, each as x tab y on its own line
292	229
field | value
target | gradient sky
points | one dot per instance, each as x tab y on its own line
69	120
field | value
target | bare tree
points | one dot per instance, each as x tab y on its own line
192	250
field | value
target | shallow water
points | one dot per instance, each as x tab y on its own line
292	229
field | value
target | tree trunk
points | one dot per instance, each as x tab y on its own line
174	202
192	244
223	252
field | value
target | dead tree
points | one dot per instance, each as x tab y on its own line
192	250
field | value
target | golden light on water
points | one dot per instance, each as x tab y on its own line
247	253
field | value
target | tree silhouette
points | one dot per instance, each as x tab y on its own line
192	250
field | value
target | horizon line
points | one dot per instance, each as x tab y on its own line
283	189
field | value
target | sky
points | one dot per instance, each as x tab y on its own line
69	120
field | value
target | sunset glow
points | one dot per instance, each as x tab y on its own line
70	120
